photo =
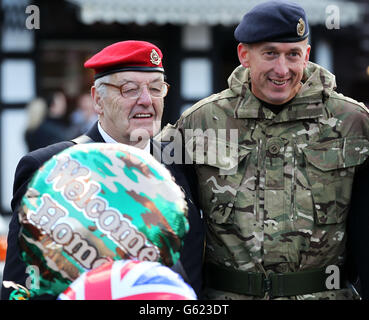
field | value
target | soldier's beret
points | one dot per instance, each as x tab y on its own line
273	21
128	55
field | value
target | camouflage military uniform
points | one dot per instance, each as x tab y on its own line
284	209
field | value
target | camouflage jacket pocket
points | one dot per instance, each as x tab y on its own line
330	169
219	182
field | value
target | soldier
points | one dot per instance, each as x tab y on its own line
276	211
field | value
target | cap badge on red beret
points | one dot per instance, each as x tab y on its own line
154	57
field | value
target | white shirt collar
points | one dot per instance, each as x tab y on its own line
109	139
147	147
105	136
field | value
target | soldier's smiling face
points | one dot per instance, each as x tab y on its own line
276	68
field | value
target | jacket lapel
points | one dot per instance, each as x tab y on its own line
94	133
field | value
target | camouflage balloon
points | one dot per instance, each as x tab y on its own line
94	203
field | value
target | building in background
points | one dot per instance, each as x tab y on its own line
196	37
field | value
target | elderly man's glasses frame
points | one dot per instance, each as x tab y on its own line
133	90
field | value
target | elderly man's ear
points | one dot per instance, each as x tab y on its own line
97	100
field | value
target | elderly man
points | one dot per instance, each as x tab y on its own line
128	96
276	210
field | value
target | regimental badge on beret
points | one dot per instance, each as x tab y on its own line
154	57
301	27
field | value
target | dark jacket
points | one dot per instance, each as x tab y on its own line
191	255
49	132
357	229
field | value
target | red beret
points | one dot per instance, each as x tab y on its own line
126	56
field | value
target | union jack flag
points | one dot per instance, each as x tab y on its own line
129	280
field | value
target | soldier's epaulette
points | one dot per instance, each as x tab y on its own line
202	103
340	96
362	105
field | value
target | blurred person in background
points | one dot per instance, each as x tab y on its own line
36	114
85	115
48	121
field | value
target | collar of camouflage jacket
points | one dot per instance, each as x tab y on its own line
317	85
